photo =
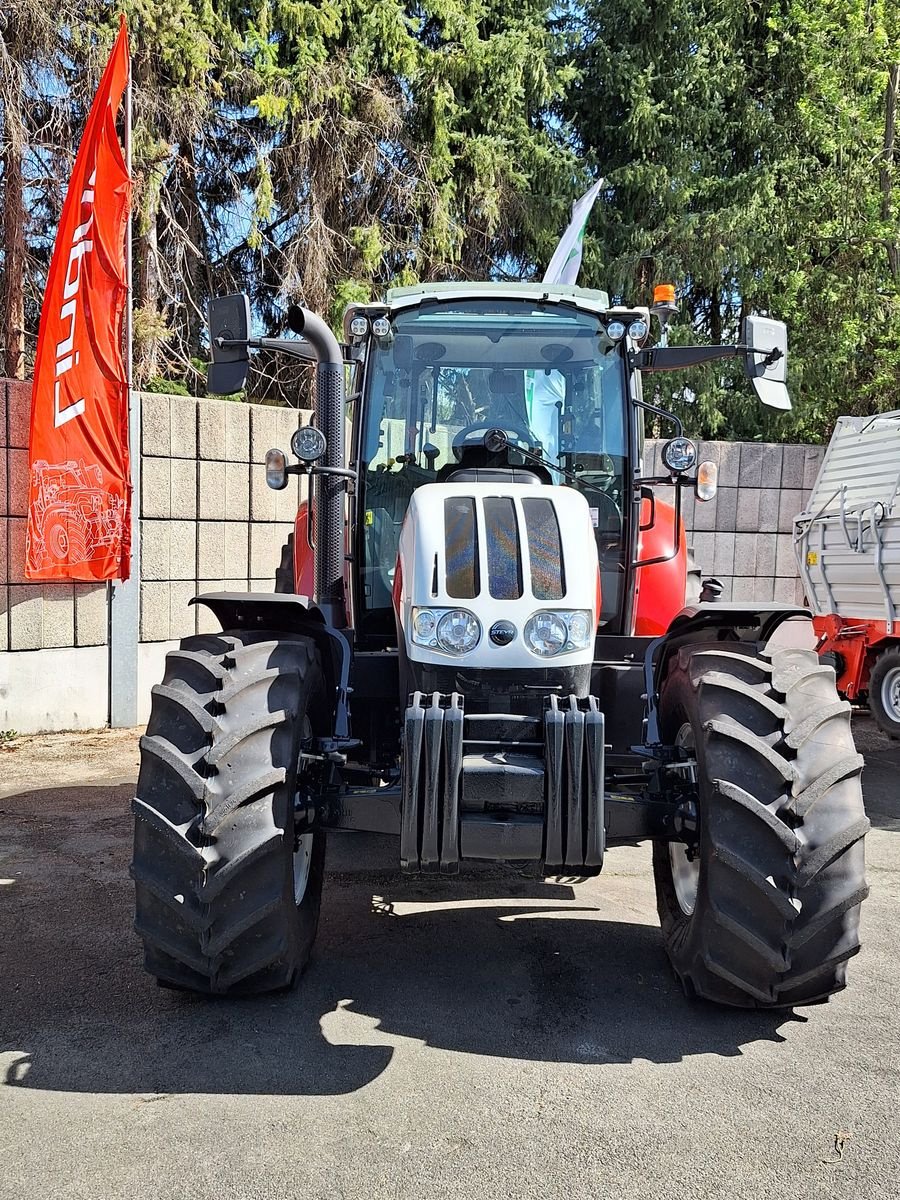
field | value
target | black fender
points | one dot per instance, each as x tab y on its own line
290	613
708	622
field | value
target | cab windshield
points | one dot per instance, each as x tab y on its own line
546	374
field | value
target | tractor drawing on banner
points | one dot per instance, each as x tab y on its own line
490	642
73	514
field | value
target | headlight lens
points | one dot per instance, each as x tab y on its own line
679	454
549	633
458	631
308	443
453	630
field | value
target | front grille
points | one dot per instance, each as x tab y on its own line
461	540
544	549
504	558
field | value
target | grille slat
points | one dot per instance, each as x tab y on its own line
461	541
504	557
544	549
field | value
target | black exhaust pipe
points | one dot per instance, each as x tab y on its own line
329	504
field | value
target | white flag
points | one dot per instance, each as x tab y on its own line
566	261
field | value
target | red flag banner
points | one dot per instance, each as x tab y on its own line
79	508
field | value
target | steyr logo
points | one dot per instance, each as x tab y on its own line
66	356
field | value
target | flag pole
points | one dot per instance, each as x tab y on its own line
125	602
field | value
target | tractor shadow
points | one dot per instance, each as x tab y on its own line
490	964
880	774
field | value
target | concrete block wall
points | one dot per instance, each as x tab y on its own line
208	520
743	536
45	615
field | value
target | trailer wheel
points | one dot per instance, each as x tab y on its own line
763	910
884	692
227	889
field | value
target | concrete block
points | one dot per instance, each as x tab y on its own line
726	509
58	617
689	505
262	585
262	432
183	488
4	616
792	466
91	615
4	495
743	587
18	400
288	501
771	464
799	597
156	429
262	498
18	483
15	566
211	549
708	451
183	550
723	556
237	491
287	422
765	556
25	618
726	587
4	430
156	488
211	491
182	615
763	589
237	432
32	701
183	426
747	517
155	564
154	612
263	549
768	509
211	429
784	591
745	553
4	550
704	545
237	585
790	503
652	462
785	563
729	463
752	457
206	622
811	465
704	515
237	550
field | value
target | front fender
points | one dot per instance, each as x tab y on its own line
284	613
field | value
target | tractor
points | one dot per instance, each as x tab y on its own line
489	641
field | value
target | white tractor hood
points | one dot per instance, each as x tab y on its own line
502	552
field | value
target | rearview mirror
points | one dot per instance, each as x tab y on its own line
766	360
229	331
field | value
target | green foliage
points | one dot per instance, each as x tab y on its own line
745	148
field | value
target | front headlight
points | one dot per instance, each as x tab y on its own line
453	630
548	633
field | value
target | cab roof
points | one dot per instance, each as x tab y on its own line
587	298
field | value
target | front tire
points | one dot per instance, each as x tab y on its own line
227	893
884	693
765	911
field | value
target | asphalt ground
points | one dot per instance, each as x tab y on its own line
493	1036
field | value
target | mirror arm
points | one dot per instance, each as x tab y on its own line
676	358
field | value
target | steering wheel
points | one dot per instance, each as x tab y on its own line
522	434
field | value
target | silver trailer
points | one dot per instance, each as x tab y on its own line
847	544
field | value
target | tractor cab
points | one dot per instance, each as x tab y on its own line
484	385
